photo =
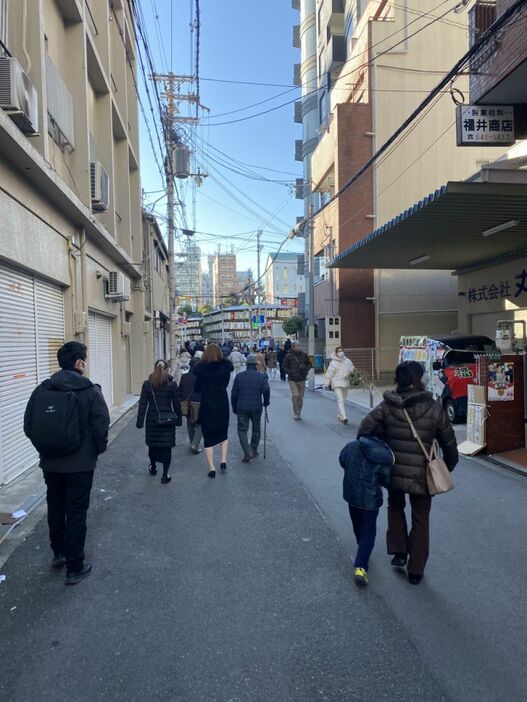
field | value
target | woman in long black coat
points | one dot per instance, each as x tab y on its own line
212	378
159	394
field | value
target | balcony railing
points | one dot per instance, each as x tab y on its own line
481	17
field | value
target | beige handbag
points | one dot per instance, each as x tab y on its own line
438	477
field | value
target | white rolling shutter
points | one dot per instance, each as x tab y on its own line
100	353
31	332
49	306
18	370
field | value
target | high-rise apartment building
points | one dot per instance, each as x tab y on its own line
188	277
224	279
71	244
372	73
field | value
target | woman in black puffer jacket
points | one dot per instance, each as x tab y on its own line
159	395
388	422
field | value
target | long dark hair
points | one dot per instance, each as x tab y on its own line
408	375
212	354
160	376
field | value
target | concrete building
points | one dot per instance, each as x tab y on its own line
224	281
236	322
188	277
72	243
155	281
283	283
373	73
206	292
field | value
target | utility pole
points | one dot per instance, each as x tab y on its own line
258	249
311	322
172	82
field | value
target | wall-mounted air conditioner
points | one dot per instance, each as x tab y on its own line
99	187
117	287
18	96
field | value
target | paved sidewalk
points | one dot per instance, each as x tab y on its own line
231	590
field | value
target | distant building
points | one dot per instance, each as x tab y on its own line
224	281
188	277
156	288
283	284
244	281
236	323
206	291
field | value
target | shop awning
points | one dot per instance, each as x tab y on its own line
451	229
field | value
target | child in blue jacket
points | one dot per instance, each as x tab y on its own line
367	464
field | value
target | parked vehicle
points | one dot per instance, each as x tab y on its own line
451	364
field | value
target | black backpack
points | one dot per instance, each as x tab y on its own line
55	428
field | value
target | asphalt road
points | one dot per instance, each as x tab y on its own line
240	588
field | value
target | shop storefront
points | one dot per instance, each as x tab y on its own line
31	332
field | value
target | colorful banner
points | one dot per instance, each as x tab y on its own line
501	382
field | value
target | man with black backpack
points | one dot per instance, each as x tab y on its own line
67	421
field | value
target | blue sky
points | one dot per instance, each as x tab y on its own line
247	41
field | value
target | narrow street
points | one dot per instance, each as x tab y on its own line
240	588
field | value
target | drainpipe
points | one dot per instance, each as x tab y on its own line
84	284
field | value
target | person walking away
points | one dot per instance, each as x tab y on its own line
288	344
280	357
337	379
188	394
159	402
250	392
213	375
367	464
388	421
261	362
237	359
296	365
67	421
272	363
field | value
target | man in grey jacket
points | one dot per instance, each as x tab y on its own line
250	393
71	410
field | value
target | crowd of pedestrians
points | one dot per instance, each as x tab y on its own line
67	420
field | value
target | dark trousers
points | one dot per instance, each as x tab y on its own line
161	455
194	433
282	373
415	543
244	419
365	529
68	497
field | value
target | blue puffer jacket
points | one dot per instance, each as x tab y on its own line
249	391
367	464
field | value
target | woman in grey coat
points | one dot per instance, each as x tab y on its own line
388	422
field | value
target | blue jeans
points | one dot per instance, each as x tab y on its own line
365	529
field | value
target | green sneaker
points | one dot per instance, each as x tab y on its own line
361	577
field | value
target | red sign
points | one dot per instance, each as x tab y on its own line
289	301
459	377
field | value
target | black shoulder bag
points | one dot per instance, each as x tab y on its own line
164	419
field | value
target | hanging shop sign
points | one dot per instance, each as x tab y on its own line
485	125
501	381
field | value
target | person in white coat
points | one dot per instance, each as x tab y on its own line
337	379
237	359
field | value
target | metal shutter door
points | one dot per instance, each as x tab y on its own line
100	354
18	370
49	307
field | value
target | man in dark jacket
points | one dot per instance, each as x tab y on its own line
69	475
250	391
296	365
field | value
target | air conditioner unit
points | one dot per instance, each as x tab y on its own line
99	187
18	96
118	287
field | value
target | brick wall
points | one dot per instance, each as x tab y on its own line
510	52
354	148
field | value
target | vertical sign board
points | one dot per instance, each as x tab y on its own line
505	403
485	125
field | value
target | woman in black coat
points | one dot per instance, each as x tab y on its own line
212	378
159	395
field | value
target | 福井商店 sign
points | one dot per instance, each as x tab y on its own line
485	125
